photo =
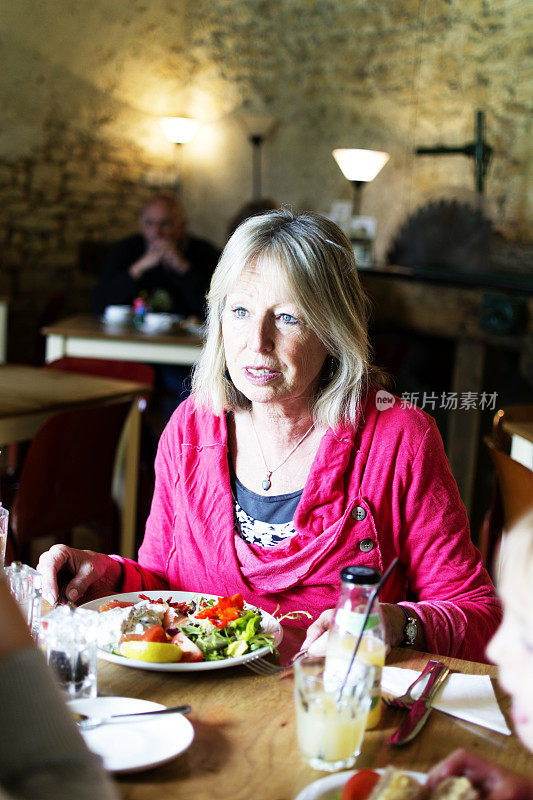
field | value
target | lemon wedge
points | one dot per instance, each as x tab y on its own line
156	652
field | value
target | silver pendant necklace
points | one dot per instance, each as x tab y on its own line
266	483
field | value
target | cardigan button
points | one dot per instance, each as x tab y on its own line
358	513
366	545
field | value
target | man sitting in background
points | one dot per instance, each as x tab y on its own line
163	260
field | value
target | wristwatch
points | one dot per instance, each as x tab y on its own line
410	631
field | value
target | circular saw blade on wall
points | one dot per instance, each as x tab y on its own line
446	235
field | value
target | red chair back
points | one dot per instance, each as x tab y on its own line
66	478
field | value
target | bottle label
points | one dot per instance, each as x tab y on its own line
352	621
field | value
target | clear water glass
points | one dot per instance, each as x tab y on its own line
330	725
25	585
69	636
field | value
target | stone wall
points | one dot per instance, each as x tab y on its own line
83	86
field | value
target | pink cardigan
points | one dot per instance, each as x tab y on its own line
374	492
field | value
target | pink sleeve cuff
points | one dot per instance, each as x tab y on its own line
135	578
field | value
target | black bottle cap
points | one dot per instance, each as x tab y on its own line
360	575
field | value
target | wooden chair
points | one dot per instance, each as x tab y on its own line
128	371
513	497
66	479
510	417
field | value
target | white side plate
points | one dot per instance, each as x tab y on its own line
133	745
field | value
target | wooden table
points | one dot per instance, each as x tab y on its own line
245	741
86	336
29	395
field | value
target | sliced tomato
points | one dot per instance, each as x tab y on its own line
190	653
114	604
155	634
360	785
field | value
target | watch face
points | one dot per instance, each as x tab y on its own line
410	631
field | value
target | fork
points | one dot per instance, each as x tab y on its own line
86	723
263	667
405	701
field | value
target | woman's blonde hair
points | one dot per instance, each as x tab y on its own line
315	261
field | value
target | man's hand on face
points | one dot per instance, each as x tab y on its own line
171	257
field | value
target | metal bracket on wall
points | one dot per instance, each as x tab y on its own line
479	150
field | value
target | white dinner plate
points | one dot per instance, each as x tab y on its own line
133	745
269	623
329	787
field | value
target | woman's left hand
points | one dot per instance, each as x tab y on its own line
393	617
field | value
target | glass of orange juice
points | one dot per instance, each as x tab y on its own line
330	724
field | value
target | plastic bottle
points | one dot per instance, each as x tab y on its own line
357	584
139	311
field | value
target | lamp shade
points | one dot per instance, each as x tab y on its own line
178	129
257	125
360	165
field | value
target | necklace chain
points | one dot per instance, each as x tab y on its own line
267	483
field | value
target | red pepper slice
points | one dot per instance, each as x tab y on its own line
224	611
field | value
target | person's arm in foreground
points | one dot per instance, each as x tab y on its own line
492	781
42	755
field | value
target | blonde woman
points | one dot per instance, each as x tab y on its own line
289	462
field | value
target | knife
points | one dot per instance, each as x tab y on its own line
421	708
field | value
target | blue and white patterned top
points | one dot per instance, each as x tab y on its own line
262	519
254	531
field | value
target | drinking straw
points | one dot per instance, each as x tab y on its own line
382	581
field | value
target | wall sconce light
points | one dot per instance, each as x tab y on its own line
178	130
258	127
360	167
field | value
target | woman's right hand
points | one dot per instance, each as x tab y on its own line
77	574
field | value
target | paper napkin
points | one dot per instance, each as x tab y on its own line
469	697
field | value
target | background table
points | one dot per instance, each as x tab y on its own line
245	738
29	395
86	336
521	441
